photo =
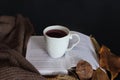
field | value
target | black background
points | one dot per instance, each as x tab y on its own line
101	18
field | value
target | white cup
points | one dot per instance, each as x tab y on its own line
57	39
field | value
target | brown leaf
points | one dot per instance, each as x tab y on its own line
109	61
84	70
100	75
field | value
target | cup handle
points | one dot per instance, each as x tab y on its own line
71	36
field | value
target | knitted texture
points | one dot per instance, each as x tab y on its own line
14	35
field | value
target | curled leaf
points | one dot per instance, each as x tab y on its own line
109	61
84	70
99	74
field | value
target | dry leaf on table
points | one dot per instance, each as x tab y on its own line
84	70
109	61
99	74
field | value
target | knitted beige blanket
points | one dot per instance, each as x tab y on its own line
14	34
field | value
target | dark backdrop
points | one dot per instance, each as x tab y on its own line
97	17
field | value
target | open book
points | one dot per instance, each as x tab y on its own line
38	56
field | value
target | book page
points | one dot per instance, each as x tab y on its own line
38	56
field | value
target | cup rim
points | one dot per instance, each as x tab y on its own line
59	27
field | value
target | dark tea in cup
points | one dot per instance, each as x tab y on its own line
56	33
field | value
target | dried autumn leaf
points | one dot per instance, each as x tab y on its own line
100	75
84	70
95	44
109	61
